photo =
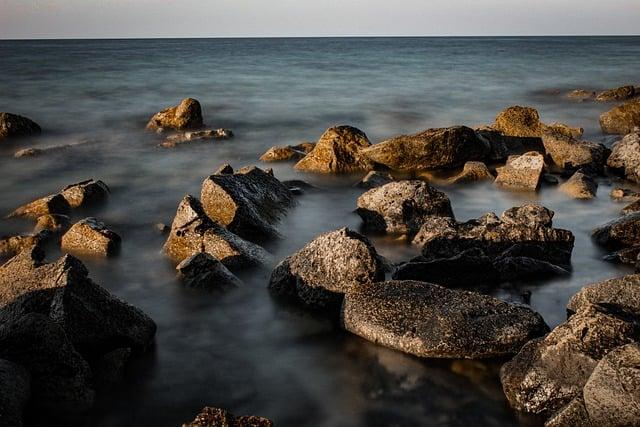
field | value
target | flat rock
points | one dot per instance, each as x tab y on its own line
472	172
580	186
522	172
428	320
204	271
401	207
570	153
91	237
15	126
519	121
15	389
216	417
625	157
622	93
186	115
622	119
375	179
339	150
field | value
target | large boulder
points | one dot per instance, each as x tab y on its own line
216	417
523	122
521	172
192	231
622	93
570	153
327	267
428	320
247	202
440	148
15	389
622	119
15	126
622	293
581	185
401	207
339	150
186	115
90	237
625	157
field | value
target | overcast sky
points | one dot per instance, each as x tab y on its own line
247	18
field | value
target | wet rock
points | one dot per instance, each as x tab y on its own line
622	119
622	93
570	153
581	95
186	115
502	146
580	186
620	233
204	271
216	417
15	389
339	150
401	207
54	204
15	126
519	121
91	237
327	267
247	202
375	179
473	172
625	157
52	222
522	172
287	152
298	186
622	293
428	320
441	148
207	135
633	207
192	231
550	179
563	129
13	245
624	195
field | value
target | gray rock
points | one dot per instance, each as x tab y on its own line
15	126
580	186
204	271
570	153
572	415
15	389
625	157
522	172
186	115
622	119
90	237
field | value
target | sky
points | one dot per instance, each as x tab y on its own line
21	19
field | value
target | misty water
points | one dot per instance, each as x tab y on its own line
242	349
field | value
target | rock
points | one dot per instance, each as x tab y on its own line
625	157
283	154
15	389
633	207
573	414
224	169
13	245
621	119
91	237
400	207
620	233
375	179
327	267
441	148
15	126
502	146
216	417
570	153
522	172
581	95
580	186
339	150
247	202
612	394
622	293
306	147
563	129
624	195
207	135
54	204
186	115
473	172
193	231
519	121
109	369
428	320
28	152
622	93
52	222
204	271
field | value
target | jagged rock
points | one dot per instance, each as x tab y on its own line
216	417
247	202
85	193
570	153
186	115
327	267
52	222
621	119
193	231
206	135
15	389
620	233
15	126
401	206
563	129
625	157
441	148
581	95
624	195
54	204
204	271
522	172
13	245
580	186
472	172
519	121
375	179
339	150
91	237
622	93
287	152
224	169
428	320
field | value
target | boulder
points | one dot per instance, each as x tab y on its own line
204	271
13	245
327	267
440	148
522	172
428	320
207	135
622	119
247	202
580	186
224	169
186	115
15	389
52	222
622	93
570	153
216	417
54	204
523	122
400	207
15	126
339	150
472	172
502	146
581	95
563	129
375	179
91	237
625	157
192	231
620	233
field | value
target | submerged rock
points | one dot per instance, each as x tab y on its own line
624	195
15	389
581	95
522	172
622	93
91	237
622	119
580	186
625	157
570	153
186	115
428	320
15	126
375	179
473	172
216	417
339	150
523	122
206	135
204	271
401	206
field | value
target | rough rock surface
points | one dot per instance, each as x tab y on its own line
622	293
192	231
55	204
573	414
15	389
570	153
339	150
327	267
502	146
247	202
580	186
519	121
622	119
440	148
207	135
216	417
91	237
52	222
563	129
186	115
620	233
522	172
625	157
631	208
622	93
287	152
400	207
624	195
472	172
14	126
428	320
204	271
375	179
13	245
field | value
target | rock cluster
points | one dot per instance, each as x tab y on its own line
15	126
570	153
339	150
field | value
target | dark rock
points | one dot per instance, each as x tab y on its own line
15	126
620	233
622	93
550	179
622	293
91	237
216	417
570	153
339	150
204	271
282	154
427	320
224	169
502	146
401	206
625	157
109	369
86	193
522	172
15	389
573	414
580	186
375	179
13	245
186	115
563	129
519	121
622	119
472	172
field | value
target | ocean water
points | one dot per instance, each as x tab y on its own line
243	350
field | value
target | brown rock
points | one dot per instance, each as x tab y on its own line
633	207
580	186
85	193
624	195
620	233
625	157
207	135
13	245
621	292
570	153
522	172
622	93
519	121
186	115
216	417
15	126
375	179
53	223
502	146
563	129
621	119
473	172
54	204
581	95
339	150
91	237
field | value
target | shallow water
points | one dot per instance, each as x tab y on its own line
243	350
